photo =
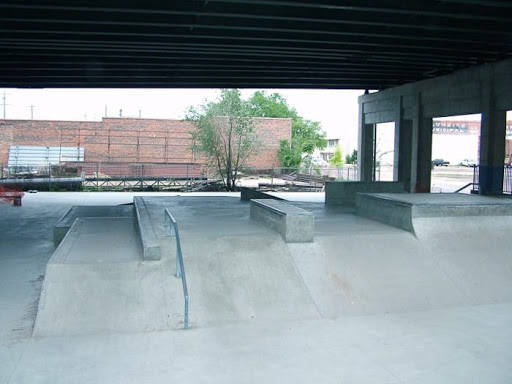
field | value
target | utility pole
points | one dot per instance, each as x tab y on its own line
32	111
4	102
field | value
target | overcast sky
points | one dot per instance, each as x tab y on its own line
336	110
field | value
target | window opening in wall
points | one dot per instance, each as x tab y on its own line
455	154
384	144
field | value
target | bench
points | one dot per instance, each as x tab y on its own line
294	224
13	196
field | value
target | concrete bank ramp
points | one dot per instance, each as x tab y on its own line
474	251
96	282
243	278
382	273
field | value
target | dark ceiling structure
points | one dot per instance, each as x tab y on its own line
352	44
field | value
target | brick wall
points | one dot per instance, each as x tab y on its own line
270	133
132	140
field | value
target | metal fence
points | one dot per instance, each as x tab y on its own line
507	180
119	176
103	176
312	178
109	176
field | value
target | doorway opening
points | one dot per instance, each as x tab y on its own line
384	152
455	154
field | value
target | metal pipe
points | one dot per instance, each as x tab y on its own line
180	266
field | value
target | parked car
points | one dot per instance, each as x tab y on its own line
440	163
318	161
469	163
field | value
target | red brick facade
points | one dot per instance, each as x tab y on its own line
132	140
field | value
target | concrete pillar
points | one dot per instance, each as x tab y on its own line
421	149
365	151
403	160
424	165
403	148
492	148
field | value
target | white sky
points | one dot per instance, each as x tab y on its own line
336	110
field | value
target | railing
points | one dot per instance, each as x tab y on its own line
180	266
465	186
103	176
507	180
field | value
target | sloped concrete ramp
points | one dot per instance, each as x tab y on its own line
382	273
96	282
241	271
474	251
244	278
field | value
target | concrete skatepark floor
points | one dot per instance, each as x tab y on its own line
373	304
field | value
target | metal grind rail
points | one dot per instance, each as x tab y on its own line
180	266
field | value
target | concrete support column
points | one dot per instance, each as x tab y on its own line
403	160
492	148
421	154
402	148
365	152
424	166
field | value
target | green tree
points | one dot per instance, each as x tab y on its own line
351	159
289	156
337	159
306	134
274	105
224	134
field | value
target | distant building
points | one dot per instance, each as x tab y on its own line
457	140
328	151
120	140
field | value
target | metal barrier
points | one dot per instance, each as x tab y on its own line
180	266
507	179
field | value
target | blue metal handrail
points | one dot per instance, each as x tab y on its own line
180	266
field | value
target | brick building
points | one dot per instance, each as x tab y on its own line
455	140
128	140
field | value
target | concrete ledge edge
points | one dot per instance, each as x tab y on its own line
149	240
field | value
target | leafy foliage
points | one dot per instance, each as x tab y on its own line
274	105
337	158
306	134
224	134
351	159
289	156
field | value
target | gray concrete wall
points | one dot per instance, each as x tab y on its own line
344	192
484	89
392	212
